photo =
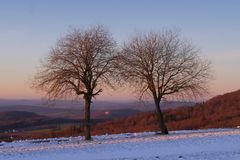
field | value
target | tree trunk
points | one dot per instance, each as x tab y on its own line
87	123
160	118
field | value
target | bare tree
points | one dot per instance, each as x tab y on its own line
162	64
79	65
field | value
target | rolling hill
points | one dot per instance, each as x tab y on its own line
13	121
38	105
218	112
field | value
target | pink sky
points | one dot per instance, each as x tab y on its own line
30	28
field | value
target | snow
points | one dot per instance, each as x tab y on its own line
210	144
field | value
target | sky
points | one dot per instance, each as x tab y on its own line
29	28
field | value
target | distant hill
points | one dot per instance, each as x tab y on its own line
24	124
74	110
96	105
53	112
21	120
219	112
18	115
71	113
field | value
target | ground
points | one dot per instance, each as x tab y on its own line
212	144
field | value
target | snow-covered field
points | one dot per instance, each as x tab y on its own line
213	144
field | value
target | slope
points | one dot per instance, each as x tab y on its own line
220	111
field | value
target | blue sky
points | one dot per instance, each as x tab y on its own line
29	28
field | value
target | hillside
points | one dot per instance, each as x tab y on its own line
24	124
213	144
58	107
220	111
18	115
15	121
69	113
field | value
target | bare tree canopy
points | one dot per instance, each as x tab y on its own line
162	64
79	65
